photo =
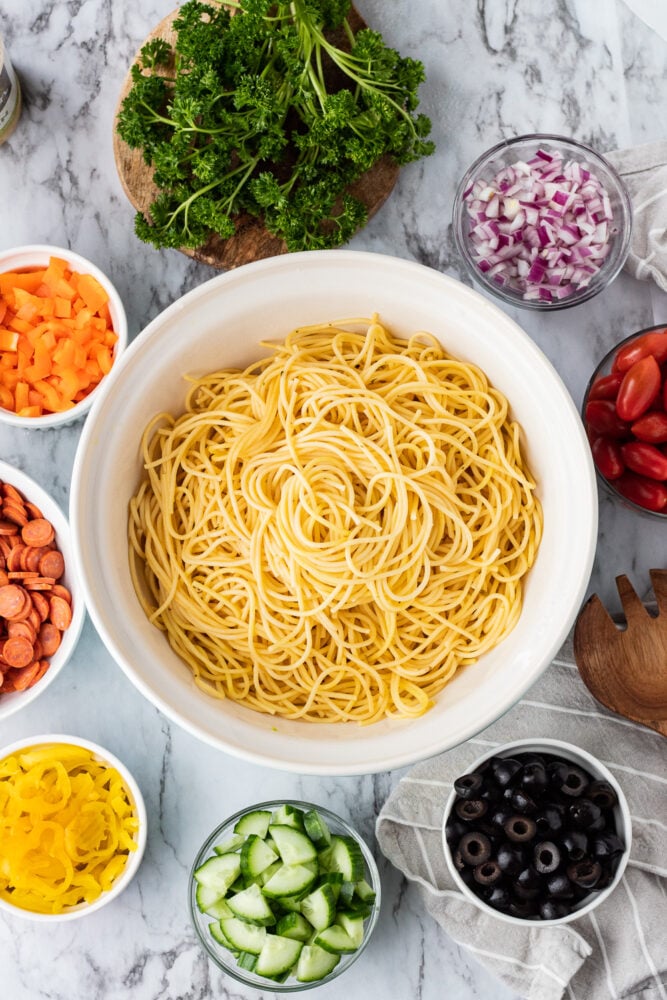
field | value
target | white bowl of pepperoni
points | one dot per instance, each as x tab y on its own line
41	605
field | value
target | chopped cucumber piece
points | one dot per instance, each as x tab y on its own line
256	856
315	963
295	847
292	904
254	822
346	857
218	936
228	846
251	905
316	828
287	816
365	893
268	872
319	907
334	879
242	935
247	961
219	873
335	940
294	925
277	956
289	880
358	908
353	925
324	857
346	893
210	901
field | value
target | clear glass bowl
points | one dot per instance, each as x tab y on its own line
604	368
224	959
524	147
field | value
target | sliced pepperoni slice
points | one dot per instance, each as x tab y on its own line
14	558
27	676
41	605
49	636
59	591
52	564
12	600
18	651
60	613
38	532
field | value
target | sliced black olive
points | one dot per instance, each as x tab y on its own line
470	809
454	830
585	873
534	777
489	828
575	843
531	758
583	813
501	815
524	908
467	877
551	909
572	781
499	898
487	873
511	858
602	794
550	819
527	884
468	785
559	886
457	858
475	848
523	802
606	876
546	857
505	769
607	845
520	828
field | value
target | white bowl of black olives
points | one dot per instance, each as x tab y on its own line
537	830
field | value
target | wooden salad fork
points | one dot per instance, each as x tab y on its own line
626	669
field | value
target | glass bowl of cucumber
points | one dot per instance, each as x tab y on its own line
284	895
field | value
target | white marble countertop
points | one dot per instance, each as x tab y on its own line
495	68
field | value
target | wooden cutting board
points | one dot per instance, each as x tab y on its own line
251	240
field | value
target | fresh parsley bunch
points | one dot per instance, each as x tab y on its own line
259	112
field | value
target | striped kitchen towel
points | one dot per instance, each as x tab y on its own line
644	170
618	950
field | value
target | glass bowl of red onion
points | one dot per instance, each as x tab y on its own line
625	416
542	221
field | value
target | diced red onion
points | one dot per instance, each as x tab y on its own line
541	227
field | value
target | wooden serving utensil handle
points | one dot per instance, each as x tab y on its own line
626	668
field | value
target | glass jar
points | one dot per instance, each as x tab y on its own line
10	95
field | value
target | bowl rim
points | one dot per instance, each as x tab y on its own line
37	254
591	290
301	262
260	982
578	755
608	484
37	494
133	862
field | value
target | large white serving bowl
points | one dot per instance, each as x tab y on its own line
220	324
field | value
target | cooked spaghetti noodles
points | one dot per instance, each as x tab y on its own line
332	533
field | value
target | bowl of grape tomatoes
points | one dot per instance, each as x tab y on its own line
625	414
